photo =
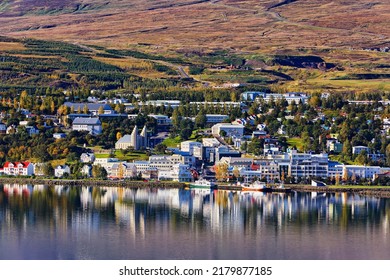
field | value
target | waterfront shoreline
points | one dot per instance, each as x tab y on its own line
377	191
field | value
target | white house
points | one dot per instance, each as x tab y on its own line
122	170
86	170
59	135
92	125
87	157
23	168
60	170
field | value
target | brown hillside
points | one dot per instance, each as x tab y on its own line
248	25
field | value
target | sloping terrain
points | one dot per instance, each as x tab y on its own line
250	25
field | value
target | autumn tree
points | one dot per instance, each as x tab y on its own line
221	171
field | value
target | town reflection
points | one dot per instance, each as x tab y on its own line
138	210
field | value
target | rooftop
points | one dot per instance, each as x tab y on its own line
90	121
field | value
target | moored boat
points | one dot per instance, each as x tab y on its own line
255	186
281	189
203	184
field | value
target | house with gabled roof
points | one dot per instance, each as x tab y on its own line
23	168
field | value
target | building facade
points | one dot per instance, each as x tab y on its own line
92	125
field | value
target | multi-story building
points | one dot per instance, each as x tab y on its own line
162	120
159	103
122	170
290	97
335	169
230	129
92	125
92	108
214	118
363	171
358	149
304	165
188	146
179	173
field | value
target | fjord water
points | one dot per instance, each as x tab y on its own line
58	222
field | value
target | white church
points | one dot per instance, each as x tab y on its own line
135	140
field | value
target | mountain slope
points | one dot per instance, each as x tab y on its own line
249	25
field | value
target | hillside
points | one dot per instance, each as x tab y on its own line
249	25
298	45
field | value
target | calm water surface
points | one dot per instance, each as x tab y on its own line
39	222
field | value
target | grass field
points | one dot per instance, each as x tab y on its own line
172	142
295	141
340	85
11	46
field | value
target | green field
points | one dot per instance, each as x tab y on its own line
295	141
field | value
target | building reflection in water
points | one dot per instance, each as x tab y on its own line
223	214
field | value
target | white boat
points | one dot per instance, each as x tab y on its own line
255	186
202	183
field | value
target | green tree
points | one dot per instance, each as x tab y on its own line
48	170
99	172
160	148
255	147
347	150
362	158
200	119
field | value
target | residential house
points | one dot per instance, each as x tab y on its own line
334	146
23	168
61	170
121	170
3	128
59	135
31	130
86	171
87	157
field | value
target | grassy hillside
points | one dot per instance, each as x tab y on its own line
251	25
28	63
299	45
